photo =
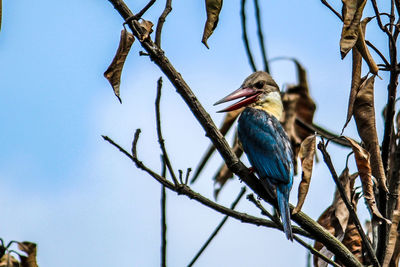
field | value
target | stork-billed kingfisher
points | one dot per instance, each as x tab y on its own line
263	138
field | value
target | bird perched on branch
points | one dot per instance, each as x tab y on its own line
263	138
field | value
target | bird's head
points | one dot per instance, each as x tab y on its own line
259	91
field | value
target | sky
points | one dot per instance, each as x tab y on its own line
82	201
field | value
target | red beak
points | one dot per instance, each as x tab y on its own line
249	94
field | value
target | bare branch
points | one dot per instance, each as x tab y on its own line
251	198
183	189
159	133
261	36
245	39
161	20
378	52
214	234
353	214
141	12
332	9
163	218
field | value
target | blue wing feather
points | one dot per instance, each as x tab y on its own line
266	145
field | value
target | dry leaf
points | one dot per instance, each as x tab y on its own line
113	73
341	211
394	262
393	235
352	240
335	217
8	261
364	170
146	28
363	49
213	8
30	249
356	81
352	13
327	220
306	155
364	115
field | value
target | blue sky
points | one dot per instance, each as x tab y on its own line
82	201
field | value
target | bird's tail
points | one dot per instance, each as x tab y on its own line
282	193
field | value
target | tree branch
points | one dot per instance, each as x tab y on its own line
163	218
353	214
245	40
161	20
159	132
261	36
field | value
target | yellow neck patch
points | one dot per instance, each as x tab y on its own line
272	104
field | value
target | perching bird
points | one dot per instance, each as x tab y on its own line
263	138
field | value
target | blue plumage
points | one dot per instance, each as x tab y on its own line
269	152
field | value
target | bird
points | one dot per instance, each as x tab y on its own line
263	138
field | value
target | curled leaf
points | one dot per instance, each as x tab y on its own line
393	236
213	8
364	170
306	155
146	28
8	261
30	249
364	115
352	13
113	73
363	49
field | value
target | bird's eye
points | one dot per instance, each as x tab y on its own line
259	85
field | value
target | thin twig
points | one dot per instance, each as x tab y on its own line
161	20
183	189
332	9
353	214
252	199
214	234
141	12
245	39
261	36
159	132
387	64
212	132
163	218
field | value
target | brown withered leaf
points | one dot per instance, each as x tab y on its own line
364	115
213	8
224	173
305	105
113	73
146	28
351	12
289	101
8	261
364	170
394	262
341	211
30	249
356	81
352	239
329	222
398	122
306	155
363	49
393	235
335	217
